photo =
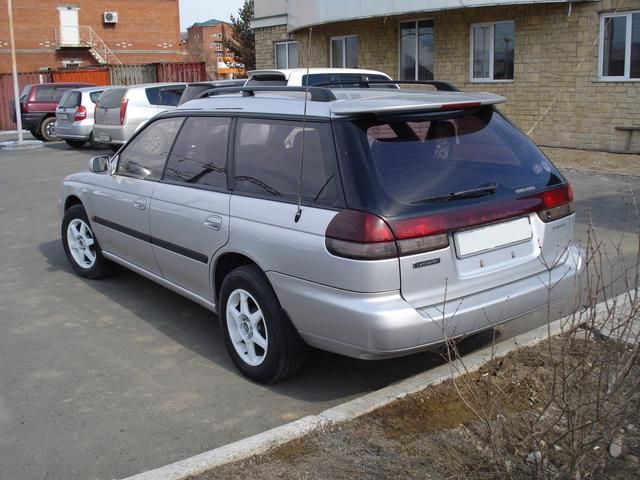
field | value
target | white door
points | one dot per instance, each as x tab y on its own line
69	28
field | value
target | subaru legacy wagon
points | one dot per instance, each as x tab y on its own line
372	223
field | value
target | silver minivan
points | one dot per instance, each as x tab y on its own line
75	115
121	111
370	223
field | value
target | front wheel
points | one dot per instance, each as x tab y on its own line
48	129
80	245
261	341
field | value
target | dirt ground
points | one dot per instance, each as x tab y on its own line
622	163
533	414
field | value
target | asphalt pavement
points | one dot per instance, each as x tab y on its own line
105	379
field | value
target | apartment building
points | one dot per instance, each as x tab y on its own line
205	43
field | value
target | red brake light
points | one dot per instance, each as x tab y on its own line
360	235
123	110
81	113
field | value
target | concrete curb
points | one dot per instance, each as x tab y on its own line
262	442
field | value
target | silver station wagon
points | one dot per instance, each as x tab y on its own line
368	222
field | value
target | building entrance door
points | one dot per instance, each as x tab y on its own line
69	27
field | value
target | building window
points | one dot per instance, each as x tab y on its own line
416	50
620	46
344	51
287	55
492	51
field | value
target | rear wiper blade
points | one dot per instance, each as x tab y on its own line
479	191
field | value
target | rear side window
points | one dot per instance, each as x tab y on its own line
199	156
94	96
418	159
145	155
71	100
268	155
112	98
50	93
168	96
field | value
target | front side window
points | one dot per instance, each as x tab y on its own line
287	55
492	51
199	156
344	52
268	154
416	50
620	46
145	155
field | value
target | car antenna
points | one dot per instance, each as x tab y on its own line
304	125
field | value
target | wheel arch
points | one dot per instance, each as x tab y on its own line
224	264
70	201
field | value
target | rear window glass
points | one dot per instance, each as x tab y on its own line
25	93
268	155
415	160
343	80
50	93
112	98
277	80
199	156
71	100
169	96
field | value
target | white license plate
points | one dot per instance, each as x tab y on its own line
483	239
63	116
103	137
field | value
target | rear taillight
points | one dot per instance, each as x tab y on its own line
81	113
364	236
360	235
123	110
558	203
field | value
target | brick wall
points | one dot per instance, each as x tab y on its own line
555	92
147	31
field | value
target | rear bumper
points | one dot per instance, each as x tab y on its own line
31	121
113	134
73	131
381	325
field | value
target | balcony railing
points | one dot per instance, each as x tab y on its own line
86	37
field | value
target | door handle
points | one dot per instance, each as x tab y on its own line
214	222
140	203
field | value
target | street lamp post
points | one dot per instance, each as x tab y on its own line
14	71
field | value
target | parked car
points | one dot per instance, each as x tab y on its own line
338	77
122	110
75	115
369	243
38	104
194	90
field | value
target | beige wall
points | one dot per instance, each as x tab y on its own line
556	89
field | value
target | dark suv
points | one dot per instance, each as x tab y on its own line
38	104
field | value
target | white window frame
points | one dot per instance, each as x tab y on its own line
492	34
416	64
287	43
343	39
627	48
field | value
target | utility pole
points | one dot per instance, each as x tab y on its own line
16	92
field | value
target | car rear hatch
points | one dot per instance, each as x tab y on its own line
68	107
468	201
107	111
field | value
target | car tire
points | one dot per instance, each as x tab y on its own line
75	143
47	129
259	337
36	134
81	246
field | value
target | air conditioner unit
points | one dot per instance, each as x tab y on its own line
110	17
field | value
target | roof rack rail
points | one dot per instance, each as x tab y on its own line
318	94
439	85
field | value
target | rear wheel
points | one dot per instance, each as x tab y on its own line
36	134
259	337
75	143
48	129
80	245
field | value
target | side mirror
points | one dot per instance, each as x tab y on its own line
99	164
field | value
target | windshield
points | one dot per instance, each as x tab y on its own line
446	157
